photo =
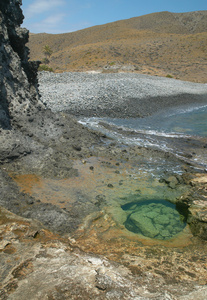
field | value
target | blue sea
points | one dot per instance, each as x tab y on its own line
168	130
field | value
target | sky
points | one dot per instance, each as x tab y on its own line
60	16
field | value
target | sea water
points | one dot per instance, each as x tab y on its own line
165	130
183	121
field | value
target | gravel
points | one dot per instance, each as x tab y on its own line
116	94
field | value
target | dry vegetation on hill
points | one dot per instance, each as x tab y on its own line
163	44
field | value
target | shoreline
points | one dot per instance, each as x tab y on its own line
116	95
49	150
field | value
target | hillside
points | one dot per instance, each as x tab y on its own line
164	44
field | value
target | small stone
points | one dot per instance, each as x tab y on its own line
3	244
30	201
103	282
172	182
32	233
31	119
117	172
110	185
77	148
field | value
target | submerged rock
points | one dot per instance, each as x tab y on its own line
162	219
144	224
156	221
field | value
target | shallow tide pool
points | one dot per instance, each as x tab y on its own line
154	218
138	205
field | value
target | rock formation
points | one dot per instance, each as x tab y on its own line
23	117
32	138
19	97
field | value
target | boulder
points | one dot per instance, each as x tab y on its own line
144	224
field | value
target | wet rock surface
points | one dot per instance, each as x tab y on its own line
196	201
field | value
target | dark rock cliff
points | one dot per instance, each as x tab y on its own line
19	97
26	126
33	140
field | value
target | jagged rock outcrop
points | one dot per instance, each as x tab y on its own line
19	97
196	200
25	125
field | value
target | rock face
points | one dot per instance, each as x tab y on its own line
25	125
19	97
32	138
36	264
196	200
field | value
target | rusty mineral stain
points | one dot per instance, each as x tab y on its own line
103	232
27	182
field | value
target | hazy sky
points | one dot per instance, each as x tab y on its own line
59	16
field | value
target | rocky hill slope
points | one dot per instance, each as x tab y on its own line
163	44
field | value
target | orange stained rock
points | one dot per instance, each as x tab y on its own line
27	182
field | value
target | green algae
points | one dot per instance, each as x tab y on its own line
157	219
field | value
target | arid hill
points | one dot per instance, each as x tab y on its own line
164	44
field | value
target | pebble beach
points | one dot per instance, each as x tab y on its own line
116	94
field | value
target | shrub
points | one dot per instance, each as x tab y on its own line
45	68
47	52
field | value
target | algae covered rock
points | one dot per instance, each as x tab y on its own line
162	219
156	220
144	224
